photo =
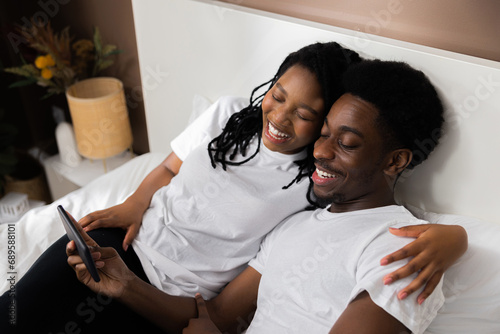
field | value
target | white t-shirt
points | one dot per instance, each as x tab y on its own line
202	229
315	263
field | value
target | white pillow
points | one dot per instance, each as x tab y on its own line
472	285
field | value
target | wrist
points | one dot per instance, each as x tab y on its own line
137	203
130	290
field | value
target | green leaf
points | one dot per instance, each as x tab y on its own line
97	41
103	65
23	83
108	50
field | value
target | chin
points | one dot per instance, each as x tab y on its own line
324	201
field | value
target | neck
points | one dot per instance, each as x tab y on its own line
338	206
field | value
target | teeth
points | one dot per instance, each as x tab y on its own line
324	175
277	134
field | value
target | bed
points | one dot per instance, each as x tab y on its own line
193	51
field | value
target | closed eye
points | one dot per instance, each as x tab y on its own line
301	116
347	147
277	98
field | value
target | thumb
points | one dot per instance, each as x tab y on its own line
202	307
413	231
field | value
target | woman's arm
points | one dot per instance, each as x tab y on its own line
237	301
128	215
436	248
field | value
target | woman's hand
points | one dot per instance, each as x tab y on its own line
126	216
436	248
113	272
202	324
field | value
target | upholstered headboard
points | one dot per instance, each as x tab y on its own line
210	48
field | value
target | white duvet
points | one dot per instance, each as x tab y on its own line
471	287
40	227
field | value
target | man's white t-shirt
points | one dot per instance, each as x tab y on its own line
315	263
201	230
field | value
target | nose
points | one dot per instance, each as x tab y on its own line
282	114
324	149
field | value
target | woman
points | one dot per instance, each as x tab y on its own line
196	231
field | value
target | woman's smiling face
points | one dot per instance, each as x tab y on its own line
293	111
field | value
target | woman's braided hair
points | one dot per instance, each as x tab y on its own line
327	61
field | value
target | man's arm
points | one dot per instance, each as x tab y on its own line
363	316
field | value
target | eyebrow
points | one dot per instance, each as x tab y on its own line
302	105
345	128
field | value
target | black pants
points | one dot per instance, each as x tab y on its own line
50	299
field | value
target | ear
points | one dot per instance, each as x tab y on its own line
398	160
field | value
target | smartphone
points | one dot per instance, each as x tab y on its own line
81	246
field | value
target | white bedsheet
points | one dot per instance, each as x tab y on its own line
40	227
471	285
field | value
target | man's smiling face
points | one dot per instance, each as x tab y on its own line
350	156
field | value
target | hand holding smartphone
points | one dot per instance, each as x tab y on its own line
81	246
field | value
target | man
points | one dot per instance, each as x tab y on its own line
318	271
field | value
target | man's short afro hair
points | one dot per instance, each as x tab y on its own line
410	110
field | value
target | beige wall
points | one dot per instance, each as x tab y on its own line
466	26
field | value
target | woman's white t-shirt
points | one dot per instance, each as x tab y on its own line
201	230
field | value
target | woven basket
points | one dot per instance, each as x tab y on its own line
100	119
29	178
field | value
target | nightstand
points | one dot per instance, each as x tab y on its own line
63	179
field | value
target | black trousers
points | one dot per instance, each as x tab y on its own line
50	299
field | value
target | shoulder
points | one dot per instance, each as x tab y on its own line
231	104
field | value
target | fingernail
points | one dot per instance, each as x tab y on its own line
421	300
403	295
393	228
125	247
388	280
383	262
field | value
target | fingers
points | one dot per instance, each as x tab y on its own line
429	287
76	262
91	217
93	222
202	307
130	236
409	250
412	231
88	240
71	248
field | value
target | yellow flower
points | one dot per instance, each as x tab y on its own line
41	62
47	73
49	60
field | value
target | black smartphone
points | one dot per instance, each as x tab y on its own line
81	246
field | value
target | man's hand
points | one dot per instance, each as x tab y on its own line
203	324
